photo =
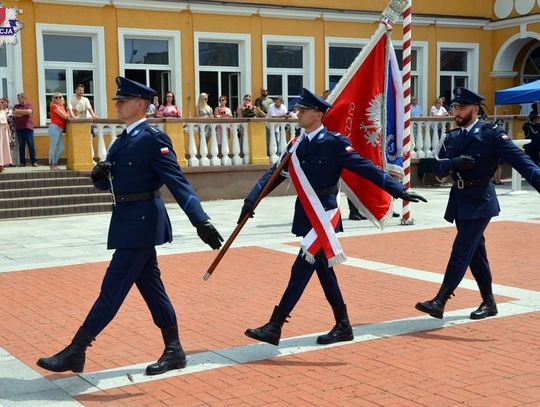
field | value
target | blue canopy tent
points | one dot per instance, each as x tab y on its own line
528	93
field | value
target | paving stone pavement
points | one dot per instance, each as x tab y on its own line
51	270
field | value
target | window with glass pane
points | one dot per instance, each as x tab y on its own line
284	56
55	80
532	65
414	58
3	57
142	51
67	48
218	53
4	87
274	83
453	60
333	81
295	84
342	57
445	87
461	82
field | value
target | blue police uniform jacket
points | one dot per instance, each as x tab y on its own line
143	161
486	143
323	159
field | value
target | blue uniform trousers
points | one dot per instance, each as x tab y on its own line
129	266
469	249
301	272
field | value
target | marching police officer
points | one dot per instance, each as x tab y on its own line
470	154
321	157
138	163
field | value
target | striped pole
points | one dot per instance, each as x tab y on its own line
407	17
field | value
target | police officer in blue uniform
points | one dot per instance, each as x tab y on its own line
138	163
322	155
470	154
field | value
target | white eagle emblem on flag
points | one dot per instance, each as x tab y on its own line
374	112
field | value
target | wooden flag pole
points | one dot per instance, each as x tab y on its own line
244	220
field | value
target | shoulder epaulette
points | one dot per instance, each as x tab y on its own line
490	125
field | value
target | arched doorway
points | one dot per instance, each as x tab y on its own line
523	45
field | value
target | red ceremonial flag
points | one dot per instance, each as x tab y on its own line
357	112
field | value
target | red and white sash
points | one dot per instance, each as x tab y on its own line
322	235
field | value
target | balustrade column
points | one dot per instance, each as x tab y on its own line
79	146
257	141
175	130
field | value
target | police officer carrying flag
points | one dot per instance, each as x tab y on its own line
138	163
470	154
317	159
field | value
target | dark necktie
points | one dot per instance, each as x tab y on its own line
463	132
124	133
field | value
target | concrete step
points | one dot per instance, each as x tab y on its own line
55	200
6	175
49	191
44	211
29	183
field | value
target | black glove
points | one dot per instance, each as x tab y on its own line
101	169
411	196
463	162
246	208
209	234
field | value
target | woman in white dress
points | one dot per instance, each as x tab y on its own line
5	153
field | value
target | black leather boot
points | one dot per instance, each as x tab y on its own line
270	332
173	356
354	213
72	357
435	307
488	308
342	331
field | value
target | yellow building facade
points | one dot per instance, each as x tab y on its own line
235	48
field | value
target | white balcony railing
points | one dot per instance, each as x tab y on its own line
226	143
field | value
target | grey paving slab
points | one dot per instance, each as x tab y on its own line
42	242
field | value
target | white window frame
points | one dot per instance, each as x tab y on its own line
336	42
527	56
422	72
13	72
173	37
244	59
98	65
472	50
421	48
308	62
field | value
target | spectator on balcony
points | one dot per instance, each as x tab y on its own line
169	108
438	108
203	109
24	125
59	115
262	103
79	106
416	109
153	107
246	109
222	112
276	110
5	134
